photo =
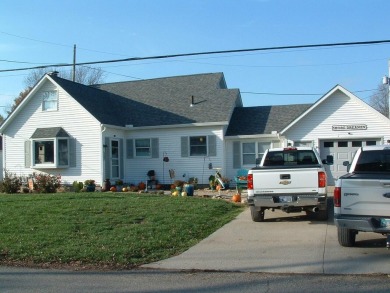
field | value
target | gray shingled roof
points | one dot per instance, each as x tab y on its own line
263	119
49	132
153	102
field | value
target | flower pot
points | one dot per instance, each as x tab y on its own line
189	189
90	188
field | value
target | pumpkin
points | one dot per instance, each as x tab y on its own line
141	185
236	198
175	193
124	189
184	193
219	187
113	188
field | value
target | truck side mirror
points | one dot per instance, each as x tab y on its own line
347	164
328	160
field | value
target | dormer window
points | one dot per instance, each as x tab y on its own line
49	101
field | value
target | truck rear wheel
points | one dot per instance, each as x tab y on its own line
257	215
346	236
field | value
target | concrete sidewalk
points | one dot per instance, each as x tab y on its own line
283	243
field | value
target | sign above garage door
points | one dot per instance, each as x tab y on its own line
349	127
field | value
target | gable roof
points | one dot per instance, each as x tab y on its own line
263	119
154	102
327	96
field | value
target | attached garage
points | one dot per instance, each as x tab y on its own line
338	124
342	150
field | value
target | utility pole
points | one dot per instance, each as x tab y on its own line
386	81
74	64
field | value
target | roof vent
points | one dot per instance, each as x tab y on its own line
192	101
53	73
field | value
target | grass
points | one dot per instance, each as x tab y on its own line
118	230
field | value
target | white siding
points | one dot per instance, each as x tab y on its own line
74	119
170	143
339	109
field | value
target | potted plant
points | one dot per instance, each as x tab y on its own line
226	182
178	184
119	184
212	182
89	185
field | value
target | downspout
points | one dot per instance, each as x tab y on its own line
103	155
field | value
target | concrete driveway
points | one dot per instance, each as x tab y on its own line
283	243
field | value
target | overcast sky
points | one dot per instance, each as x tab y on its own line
43	32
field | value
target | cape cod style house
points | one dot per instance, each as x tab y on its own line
176	126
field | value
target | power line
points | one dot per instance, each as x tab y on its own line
205	53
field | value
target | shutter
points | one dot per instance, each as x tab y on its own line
155	150
236	155
184	146
129	149
27	154
122	159
212	145
107	158
72	152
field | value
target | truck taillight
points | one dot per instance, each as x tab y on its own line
337	197
250	181
321	179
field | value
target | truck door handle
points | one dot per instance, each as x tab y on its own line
285	176
386	195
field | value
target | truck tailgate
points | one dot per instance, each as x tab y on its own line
279	181
365	197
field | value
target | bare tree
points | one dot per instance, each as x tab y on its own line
380	100
84	75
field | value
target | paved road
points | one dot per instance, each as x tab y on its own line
283	243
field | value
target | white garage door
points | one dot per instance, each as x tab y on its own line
341	150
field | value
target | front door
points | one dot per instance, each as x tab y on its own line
115	160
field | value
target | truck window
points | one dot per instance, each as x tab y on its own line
374	161
290	157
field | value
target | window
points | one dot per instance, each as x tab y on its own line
49	101
261	148
198	146
143	147
356	143
328	144
252	150
370	142
342	144
51	152
249	153
115	159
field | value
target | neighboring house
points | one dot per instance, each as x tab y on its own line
122	130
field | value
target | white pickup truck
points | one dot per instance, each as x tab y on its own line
362	196
291	179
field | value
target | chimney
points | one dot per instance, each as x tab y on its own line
53	73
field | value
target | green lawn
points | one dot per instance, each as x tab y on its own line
120	230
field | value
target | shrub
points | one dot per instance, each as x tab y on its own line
11	183
77	186
46	183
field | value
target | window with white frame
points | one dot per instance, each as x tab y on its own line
143	147
49	101
198	145
51	152
252	150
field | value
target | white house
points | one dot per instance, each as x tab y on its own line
123	130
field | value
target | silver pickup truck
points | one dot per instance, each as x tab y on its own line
362	196
291	179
